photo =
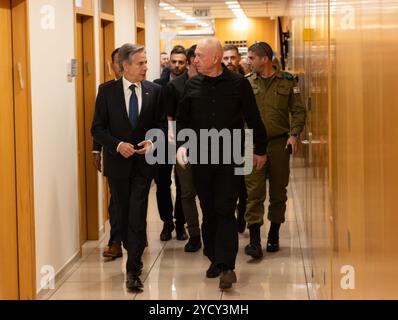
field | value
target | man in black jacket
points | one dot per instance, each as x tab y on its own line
218	99
114	249
125	111
177	66
174	93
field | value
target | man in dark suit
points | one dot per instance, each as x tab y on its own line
218	100
177	66
125	111
114	249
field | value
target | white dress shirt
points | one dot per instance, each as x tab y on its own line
127	96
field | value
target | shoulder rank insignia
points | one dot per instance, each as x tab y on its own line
287	75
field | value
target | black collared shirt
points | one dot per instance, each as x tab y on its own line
174	93
223	102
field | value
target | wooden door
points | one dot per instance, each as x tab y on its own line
8	198
18	265
85	94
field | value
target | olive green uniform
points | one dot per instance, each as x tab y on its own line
279	101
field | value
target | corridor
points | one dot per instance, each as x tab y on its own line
172	274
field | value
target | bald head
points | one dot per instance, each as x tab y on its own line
209	54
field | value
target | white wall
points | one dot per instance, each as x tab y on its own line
152	38
54	126
54	134
125	29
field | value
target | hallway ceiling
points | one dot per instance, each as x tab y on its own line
219	9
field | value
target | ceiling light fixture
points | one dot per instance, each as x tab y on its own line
235	7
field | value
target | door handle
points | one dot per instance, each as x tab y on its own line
21	82
89	71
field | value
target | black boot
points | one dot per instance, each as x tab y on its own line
181	233
254	249
273	237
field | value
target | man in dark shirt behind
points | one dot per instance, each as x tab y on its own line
222	100
174	92
177	66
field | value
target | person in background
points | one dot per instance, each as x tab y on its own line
178	64
173	95
114	249
279	101
231	58
245	67
164	61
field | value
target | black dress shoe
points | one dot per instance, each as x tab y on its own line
273	246
165	235
133	282
193	244
214	271
255	251
227	278
181	233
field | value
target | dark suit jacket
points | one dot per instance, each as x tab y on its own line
97	146
111	126
164	80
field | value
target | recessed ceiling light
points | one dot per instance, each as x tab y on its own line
234	6
163	4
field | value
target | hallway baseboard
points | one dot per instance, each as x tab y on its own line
60	277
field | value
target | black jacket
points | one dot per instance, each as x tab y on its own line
163	80
223	102
111	126
174	92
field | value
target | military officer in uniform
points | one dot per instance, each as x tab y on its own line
279	101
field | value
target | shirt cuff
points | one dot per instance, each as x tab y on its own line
151	144
118	146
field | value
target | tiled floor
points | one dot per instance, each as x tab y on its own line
170	273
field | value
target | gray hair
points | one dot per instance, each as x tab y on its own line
127	51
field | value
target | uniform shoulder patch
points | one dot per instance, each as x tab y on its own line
287	75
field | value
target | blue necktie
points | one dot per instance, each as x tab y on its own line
133	107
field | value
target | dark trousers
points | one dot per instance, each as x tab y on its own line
188	199
115	234
218	188
163	196
131	200
242	196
